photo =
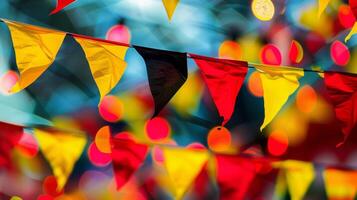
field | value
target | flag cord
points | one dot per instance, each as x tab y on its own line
189	55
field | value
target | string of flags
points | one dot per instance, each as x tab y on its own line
128	155
36	49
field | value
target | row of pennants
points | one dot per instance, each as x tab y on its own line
183	165
170	6
36	49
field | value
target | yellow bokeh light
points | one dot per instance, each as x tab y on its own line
263	9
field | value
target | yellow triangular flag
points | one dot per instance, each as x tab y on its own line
35	50
183	166
278	84
352	32
280	186
170	6
322	6
340	184
62	150
106	62
299	176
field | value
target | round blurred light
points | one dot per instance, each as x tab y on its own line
111	108
196	146
7	81
50	186
230	50
306	99
296	52
270	55
219	139
263	9
119	33
102	139
16	198
345	16
277	143
158	155
27	145
45	197
98	158
339	53
255	84
157	128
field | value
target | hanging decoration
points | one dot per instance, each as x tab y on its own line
61	4
170	7
224	78
263	9
167	72
35	50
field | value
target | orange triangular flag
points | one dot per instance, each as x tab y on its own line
340	184
35	50
170	6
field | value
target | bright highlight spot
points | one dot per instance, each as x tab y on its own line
263	9
98	158
7	81
306	99
230	50
102	139
296	52
111	108
255	85
345	16
119	33
339	53
157	128
27	145
219	139
16	198
50	186
277	143
270	55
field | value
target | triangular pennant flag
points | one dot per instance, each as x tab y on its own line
183	166
353	6
342	91
340	184
352	32
299	176
170	6
278	84
61	4
234	176
62	150
9	137
35	50
127	157
322	6
167	72
280	186
106	62
224	78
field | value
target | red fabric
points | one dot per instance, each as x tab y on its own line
234	176
342	91
224	78
9	137
60	5
127	158
353	5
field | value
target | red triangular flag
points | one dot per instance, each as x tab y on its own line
234	176
353	5
60	5
9	137
127	157
224	78
342	91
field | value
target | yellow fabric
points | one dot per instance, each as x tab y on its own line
35	50
322	6
170	6
298	176
106	62
340	184
62	150
183	166
352	32
278	84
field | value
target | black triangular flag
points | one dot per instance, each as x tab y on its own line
167	72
